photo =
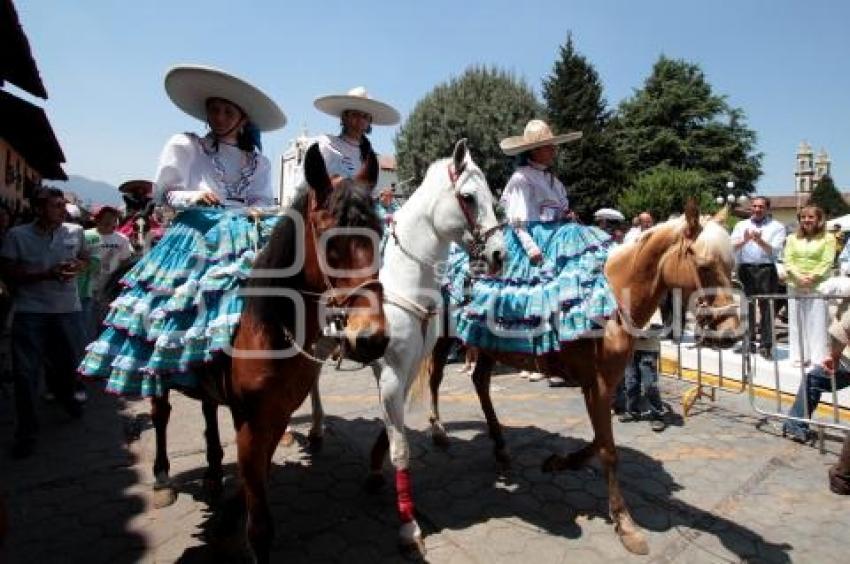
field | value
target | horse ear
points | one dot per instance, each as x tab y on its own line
316	174
692	219
368	173
459	156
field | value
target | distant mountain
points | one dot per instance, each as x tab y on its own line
89	191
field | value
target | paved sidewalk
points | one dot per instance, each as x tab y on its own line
722	487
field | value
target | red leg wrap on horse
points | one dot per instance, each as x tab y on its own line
404	495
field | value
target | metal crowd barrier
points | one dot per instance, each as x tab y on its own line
763	378
751	364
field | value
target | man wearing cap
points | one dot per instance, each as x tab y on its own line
345	153
41	260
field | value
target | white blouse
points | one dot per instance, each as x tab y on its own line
533	194
189	166
342	158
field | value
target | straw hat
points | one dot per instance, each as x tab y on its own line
190	86
536	134
358	99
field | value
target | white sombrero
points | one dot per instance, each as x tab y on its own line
536	134
358	99
190	86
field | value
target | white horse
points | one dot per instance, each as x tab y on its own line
453	204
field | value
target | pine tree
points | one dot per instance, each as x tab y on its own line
482	105
677	120
591	169
828	198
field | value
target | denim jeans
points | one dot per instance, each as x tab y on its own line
816	381
642	370
35	338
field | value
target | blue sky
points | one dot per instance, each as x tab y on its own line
786	63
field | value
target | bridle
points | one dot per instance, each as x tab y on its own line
704	313
479	237
335	302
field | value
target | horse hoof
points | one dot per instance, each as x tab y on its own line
288	439
440	440
635	542
315	443
163	496
374	483
414	551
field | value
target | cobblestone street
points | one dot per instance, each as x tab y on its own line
719	487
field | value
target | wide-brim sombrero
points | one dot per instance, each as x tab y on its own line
537	134
358	99
190	86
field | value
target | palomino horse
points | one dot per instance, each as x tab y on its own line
678	254
453	204
322	253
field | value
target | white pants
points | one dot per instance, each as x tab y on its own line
811	318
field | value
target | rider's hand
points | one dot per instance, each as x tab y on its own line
828	364
207	199
536	256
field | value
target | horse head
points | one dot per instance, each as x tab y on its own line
461	205
701	266
341	258
684	255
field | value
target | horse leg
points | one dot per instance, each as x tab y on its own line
214	474
164	493
439	357
393	393
481	379
316	436
375	481
255	442
576	459
598	400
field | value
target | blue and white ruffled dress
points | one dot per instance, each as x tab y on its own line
180	304
537	309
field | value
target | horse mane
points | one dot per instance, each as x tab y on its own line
713	240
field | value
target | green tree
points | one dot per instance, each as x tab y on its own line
484	105
664	190
591	168
676	120
828	198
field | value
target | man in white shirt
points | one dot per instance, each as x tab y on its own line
645	221
41	260
758	242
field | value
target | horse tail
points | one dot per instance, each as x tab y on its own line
420	385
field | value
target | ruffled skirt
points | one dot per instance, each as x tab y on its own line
180	304
535	309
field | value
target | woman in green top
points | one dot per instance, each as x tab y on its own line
808	261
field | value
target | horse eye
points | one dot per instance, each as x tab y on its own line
470	198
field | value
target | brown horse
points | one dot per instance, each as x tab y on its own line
332	233
679	254
266	386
